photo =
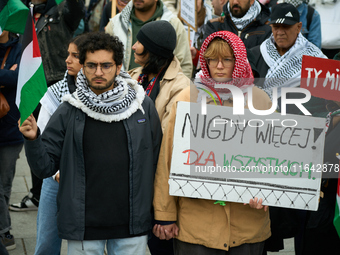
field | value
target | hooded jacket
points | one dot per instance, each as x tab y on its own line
55	28
199	220
9	132
253	34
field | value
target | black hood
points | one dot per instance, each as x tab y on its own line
11	42
43	8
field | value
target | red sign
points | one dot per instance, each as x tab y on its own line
321	77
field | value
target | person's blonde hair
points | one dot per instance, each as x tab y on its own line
218	48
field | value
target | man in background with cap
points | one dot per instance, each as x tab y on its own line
245	18
279	58
126	25
310	18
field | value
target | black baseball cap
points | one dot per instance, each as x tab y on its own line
284	13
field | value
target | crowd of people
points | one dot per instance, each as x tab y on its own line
99	145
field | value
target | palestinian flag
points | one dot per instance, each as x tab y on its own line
13	16
31	81
336	220
337	210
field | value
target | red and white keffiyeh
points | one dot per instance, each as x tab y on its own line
242	75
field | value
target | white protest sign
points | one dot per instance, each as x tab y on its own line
188	13
221	156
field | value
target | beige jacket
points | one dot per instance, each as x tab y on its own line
173	82
200	221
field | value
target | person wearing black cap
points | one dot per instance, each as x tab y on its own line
279	58
160	73
310	18
279	61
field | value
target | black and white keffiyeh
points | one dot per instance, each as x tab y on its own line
125	17
113	105
249	17
53	97
296	3
285	71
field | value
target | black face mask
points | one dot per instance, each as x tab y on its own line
39	8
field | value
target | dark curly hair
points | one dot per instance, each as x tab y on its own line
155	63
95	41
79	39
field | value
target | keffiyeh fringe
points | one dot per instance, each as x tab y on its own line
53	97
113	105
223	94
296	3
285	71
249	17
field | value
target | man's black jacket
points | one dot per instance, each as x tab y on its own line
253	34
55	28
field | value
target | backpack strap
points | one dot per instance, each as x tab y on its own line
5	57
310	13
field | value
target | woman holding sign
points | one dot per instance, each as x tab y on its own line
201	226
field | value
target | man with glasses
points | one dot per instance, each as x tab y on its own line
105	140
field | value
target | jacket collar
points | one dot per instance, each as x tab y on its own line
126	13
173	69
262	18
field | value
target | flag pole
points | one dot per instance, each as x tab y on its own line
31	85
113	9
336	220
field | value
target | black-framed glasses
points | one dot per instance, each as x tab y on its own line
226	62
91	68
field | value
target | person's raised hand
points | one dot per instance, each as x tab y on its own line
29	128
